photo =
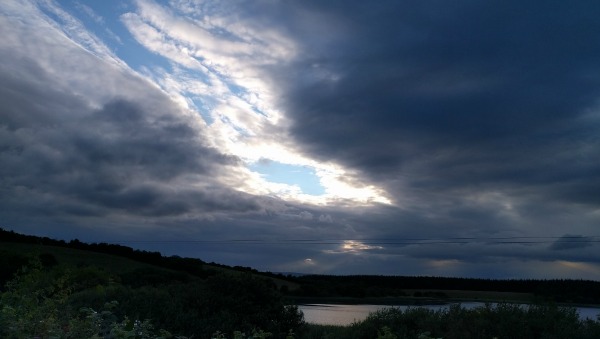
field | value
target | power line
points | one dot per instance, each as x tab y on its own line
380	241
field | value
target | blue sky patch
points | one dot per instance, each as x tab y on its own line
278	172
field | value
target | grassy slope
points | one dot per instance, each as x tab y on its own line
110	263
69	256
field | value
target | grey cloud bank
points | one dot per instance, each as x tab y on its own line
479	120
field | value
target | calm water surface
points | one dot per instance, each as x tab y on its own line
328	314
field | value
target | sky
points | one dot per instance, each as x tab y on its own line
433	138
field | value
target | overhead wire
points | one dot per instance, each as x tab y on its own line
378	241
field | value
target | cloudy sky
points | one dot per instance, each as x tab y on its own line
447	138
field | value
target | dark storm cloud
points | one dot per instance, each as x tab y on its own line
480	119
454	94
569	242
134	154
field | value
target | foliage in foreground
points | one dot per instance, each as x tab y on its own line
87	302
48	300
489	321
36	305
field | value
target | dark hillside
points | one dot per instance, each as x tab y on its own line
45	281
38	245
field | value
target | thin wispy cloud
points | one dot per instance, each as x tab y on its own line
223	61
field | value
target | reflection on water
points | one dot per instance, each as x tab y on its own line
328	314
336	314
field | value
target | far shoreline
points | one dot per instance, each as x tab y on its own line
416	301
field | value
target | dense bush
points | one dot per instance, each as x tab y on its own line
490	321
83	302
10	263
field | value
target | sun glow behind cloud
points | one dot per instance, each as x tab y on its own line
354	247
216	70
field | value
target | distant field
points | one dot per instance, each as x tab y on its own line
450	295
479	295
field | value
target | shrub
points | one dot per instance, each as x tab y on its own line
489	321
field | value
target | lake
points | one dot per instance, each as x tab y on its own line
329	314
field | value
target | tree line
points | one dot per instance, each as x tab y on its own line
194	266
360	286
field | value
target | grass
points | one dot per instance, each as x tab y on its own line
490	296
450	296
69	256
111	263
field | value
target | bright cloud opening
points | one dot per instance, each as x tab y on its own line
220	76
